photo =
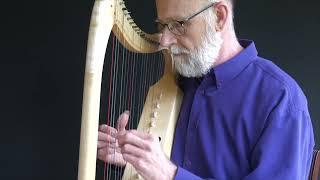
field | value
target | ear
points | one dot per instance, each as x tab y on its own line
222	13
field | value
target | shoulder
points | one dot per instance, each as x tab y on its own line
279	83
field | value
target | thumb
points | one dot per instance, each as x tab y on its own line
122	121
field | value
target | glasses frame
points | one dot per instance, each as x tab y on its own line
169	25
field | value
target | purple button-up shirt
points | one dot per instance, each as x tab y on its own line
245	119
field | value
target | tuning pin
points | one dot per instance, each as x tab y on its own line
154	114
153	124
157	105
126	12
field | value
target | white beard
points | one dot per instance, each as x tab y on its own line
198	62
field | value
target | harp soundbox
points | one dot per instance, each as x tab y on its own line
163	100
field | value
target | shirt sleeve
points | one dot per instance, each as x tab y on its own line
284	149
183	174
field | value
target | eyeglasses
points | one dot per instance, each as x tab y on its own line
178	27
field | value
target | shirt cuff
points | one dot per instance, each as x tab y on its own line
183	174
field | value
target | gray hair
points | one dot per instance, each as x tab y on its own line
232	4
231	1
210	16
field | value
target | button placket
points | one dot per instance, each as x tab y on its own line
190	132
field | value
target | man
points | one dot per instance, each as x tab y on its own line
241	116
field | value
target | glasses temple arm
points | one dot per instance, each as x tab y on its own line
207	7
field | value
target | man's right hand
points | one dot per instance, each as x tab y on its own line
108	148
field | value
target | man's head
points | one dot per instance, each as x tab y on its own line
197	49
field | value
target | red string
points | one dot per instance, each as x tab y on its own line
109	99
130	87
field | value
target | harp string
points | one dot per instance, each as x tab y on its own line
109	98
124	77
115	95
133	112
125	70
120	95
118	169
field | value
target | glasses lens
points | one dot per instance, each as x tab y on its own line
160	27
176	28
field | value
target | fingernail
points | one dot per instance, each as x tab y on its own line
102	126
127	112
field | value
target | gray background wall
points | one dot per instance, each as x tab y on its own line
43	45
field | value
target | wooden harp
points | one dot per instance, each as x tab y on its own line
162	104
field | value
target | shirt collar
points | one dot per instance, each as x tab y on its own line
225	72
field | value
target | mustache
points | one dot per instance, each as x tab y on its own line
178	50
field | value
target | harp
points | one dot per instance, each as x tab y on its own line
163	100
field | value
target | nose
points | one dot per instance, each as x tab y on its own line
167	38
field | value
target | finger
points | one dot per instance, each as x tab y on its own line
136	162
142	135
103	144
130	159
107	129
112	149
106	154
122	121
106	137
133	150
110	156
107	150
130	138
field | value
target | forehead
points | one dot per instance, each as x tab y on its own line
177	9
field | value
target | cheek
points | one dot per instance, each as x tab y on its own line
186	43
193	36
